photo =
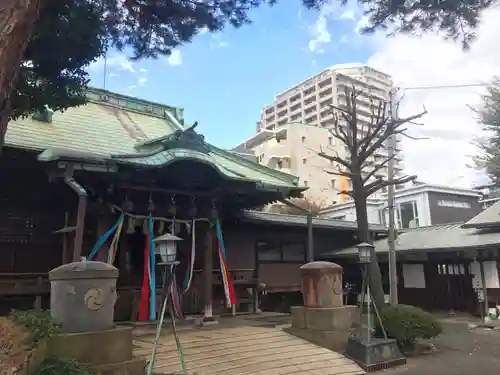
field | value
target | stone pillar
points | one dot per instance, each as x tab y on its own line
323	319
322	285
83	296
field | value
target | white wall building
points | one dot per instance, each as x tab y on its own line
417	205
295	127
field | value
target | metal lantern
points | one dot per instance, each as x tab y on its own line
365	252
166	246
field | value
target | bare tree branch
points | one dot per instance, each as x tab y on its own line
339	172
404	134
379	183
391	127
362	138
377	168
334	158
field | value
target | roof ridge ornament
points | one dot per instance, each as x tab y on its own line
188	139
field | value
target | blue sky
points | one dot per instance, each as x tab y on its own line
223	80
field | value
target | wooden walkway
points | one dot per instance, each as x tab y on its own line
244	351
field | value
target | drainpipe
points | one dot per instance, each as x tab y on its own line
81	211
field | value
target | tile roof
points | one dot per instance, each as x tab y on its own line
444	237
301	220
486	219
117	128
99	127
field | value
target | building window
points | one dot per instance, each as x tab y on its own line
332	183
303	139
279	164
306	183
281	252
330	140
304	160
407	215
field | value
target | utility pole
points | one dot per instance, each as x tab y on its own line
310	238
391	146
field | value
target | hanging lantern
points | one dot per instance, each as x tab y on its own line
172	209
214	210
128	205
166	247
193	210
151	204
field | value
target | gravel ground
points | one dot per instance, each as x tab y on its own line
461	352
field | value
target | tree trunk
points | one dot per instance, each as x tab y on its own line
376	287
17	20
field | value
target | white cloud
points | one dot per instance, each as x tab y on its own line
450	124
331	11
175	58
217	42
116	62
141	81
348	15
320	32
143	70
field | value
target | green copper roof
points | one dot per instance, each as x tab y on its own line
107	124
121	130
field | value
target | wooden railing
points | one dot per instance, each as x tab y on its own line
12	284
38	283
239	276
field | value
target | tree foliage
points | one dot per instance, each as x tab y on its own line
489	116
363	135
68	36
457	19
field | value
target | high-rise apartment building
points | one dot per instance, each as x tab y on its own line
295	127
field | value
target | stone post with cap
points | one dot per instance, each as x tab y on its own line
82	301
324	319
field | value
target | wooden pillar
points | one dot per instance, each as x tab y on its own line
207	274
485	287
102	227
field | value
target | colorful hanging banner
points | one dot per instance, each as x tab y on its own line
144	307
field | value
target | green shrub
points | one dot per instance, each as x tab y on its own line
407	324
65	366
38	323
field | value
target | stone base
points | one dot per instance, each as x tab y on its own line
109	351
374	355
325	319
326	327
96	347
